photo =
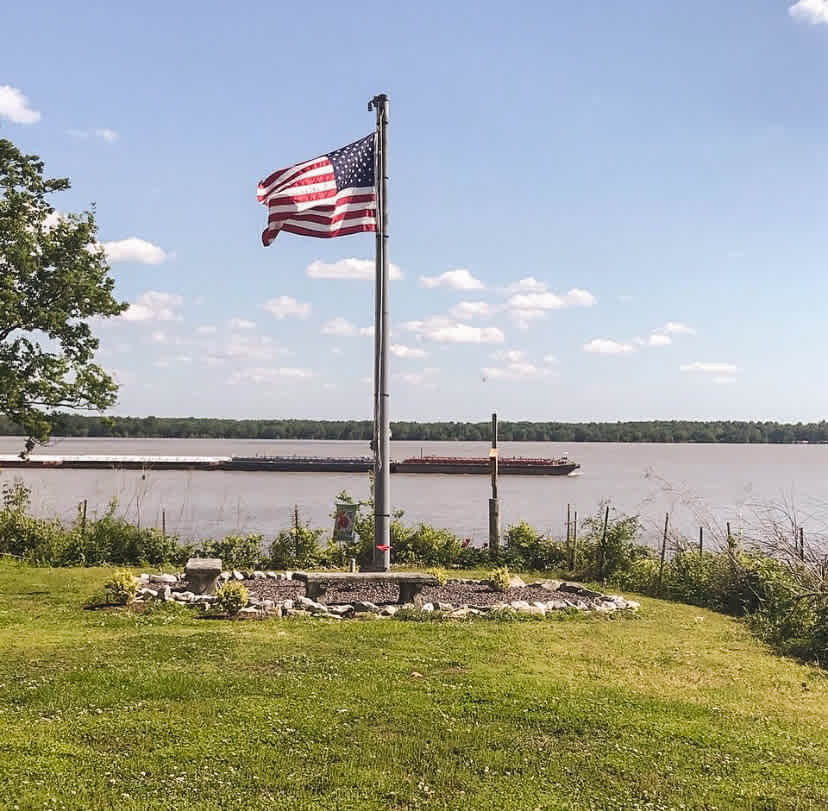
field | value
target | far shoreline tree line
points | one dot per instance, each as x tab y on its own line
660	431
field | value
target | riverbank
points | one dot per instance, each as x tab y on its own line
675	706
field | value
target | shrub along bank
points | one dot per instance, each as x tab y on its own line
785	602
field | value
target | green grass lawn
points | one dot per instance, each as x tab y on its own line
676	707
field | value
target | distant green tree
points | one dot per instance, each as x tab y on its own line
53	278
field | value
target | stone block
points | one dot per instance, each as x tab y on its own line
202	574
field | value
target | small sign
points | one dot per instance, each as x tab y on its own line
344	517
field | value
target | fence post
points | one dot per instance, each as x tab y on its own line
163	523
603	542
701	541
575	542
802	543
663	549
83	520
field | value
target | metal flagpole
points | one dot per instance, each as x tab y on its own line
382	425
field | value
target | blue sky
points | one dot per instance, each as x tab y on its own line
636	192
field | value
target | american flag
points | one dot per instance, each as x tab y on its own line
329	196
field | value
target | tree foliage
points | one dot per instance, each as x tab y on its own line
54	278
75	425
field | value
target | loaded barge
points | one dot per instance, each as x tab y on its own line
285	464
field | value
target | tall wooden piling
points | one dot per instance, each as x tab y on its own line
494	504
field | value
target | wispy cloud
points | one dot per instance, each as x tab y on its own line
814	12
423	378
154	306
259	375
517	370
14	106
522	319
466	310
676	328
283	307
703	367
339	326
104	133
349	269
402	351
442	330
134	249
241	323
459	279
529	284
604	346
552	301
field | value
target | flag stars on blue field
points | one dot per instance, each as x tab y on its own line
353	165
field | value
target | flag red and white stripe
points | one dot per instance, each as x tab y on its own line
329	196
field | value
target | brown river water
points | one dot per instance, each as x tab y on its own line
696	484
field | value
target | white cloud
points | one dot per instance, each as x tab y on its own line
166	363
369	331
550	359
206	330
523	318
268	375
247	346
459	279
343	327
339	326
512	355
810	11
158	336
134	249
349	269
287	307
104	133
441	330
154	306
401	351
676	328
15	106
603	346
107	134
520	370
710	368
418	378
552	301
656	339
466	310
241	323
528	285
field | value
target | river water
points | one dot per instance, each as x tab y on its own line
697	484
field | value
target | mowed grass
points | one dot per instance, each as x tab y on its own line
677	707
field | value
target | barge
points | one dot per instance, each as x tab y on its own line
514	465
289	464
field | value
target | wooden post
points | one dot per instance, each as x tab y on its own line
575	541
494	504
801	543
663	549
603	542
163	523
83	519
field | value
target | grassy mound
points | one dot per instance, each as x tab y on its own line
111	709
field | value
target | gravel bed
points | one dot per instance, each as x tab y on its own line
457	594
